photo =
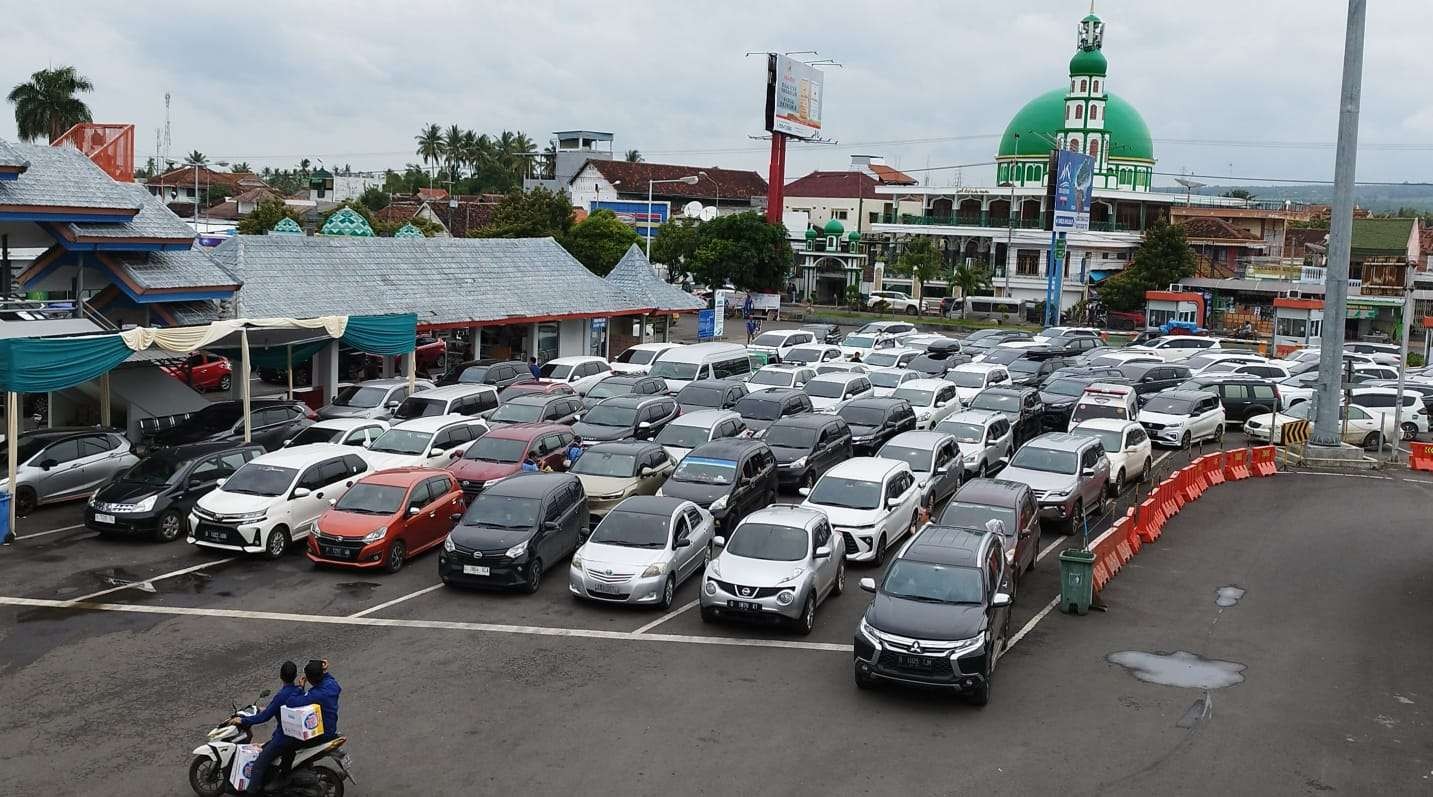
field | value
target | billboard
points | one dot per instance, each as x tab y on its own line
793	97
1073	178
639	216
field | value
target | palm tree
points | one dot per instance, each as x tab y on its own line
430	143
634	156
303	166
196	158
452	148
241	166
47	106
969	279
471	150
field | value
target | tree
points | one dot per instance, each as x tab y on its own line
634	156
1163	257
430	143
744	249
921	260
240	167
675	243
196	158
1239	193
374	198
539	213
47	106
599	241
969	279
452	150
268	213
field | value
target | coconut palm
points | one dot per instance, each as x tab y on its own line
634	156
430	143
969	279
452	148
196	158
47	106
240	167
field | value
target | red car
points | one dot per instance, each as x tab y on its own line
544	387
203	371
500	453
386	518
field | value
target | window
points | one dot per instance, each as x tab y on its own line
210	470
725	369
1096	87
1094	114
1234	392
821	536
1094	144
1027	262
63	451
1079	111
1263	392
420	496
1083	83
839	214
236	460
93	446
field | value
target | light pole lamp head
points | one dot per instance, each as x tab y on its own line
690	179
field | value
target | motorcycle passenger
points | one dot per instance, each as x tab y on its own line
290	695
323	689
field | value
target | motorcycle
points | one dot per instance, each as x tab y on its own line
213	760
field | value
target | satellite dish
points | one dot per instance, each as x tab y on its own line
1193	185
692	210
708	214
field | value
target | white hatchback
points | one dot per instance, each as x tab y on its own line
831	392
971	378
933	400
580	373
874	502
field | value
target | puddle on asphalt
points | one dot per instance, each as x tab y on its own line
1228	596
1180	668
359	589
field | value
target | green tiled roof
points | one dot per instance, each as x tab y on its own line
286	226
347	221
1382	236
409	231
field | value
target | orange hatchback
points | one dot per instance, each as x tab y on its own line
387	517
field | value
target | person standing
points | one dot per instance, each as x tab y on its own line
533	369
750	329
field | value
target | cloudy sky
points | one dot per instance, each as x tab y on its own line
1227	86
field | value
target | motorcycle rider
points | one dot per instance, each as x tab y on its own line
323	689
291	694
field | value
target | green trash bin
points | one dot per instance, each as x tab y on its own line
1077	580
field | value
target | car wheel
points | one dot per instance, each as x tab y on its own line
1146	475
1118	485
809	480
534	576
840	586
169	527
911	310
807	621
397	553
1371	442
25	501
1185	441
1410	431
980	696
225	382
988	470
1077	517
669	591
880	559
278	543
1219	434
706	557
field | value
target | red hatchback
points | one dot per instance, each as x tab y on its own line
203	371
500	453
387	517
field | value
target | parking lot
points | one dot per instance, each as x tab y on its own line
117	655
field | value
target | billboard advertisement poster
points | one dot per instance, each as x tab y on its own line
1074	184
766	302
706	324
636	214
719	313
793	97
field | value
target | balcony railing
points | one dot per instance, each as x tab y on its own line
1317	275
995	221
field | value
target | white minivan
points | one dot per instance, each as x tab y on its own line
702	361
1104	400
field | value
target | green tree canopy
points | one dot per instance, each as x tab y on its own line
374	198
970	279
1163	257
920	260
47	106
266	215
743	248
538	213
675	243
599	241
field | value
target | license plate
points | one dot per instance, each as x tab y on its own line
476	570
216	536
333	550
745	606
915	662
605	589
103	518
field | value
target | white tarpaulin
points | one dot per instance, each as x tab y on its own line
187	339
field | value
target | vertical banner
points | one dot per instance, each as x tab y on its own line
719	313
1074	178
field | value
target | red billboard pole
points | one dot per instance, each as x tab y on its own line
776	178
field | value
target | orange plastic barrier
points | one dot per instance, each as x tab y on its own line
1149	521
1236	464
1214	468
1264	460
1420	456
1169	494
1191	482
1201	475
1132	529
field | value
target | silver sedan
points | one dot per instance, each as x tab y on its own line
642	551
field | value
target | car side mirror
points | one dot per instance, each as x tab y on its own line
413	510
681	542
1000	601
803	490
823	552
392	405
719	542
194	484
868	584
893	502
220	483
302	492
456	516
434	452
943	469
551	525
644	425
47	464
455	454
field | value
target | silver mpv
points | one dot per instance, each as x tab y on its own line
65	464
777	566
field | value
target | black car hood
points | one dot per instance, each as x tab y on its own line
700	494
920	620
484	538
1055	401
857	430
785	455
756	424
127	492
588	431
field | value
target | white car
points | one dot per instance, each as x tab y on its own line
813	354
461	399
971	378
1178	418
1384	400
933	400
874	502
343	431
1104	400
1272	369
922	341
780	342
579	373
1127	447
425	442
985	437
1358	426
1067	332
1176	347
689	430
842	367
831	392
770	377
275	499
892	358
1221	363
1118	357
1382	353
863	343
1375	371
896	302
638	359
897	329
887	380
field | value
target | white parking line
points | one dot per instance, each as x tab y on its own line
149	581
664	618
380	607
1161	458
446	625
51	531
1028	627
1051	547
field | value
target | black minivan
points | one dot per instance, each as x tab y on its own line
729	477
807	446
1243	396
514	530
154	497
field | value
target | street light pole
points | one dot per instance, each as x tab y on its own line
718	189
690	179
1010	216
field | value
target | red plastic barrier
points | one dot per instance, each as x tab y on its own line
1214	468
1420	456
1201	478
1149	520
1264	464
1132	529
1236	464
1169	494
1191	482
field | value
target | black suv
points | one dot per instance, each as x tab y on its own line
514	530
806	446
1074	345
537	408
1149	378
729	477
1060	394
498	373
937	363
271	422
166	484
765	407
1243	396
1022	405
939	615
874	421
710	394
980	501
1031	371
625	385
623	417
825	333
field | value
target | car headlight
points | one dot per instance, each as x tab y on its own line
1060	493
145	505
799	462
1010	556
252	517
448	544
718	504
965	646
714	568
785	597
577	561
655	569
971	457
517	550
659	493
795	574
865	438
709	587
376	534
869	633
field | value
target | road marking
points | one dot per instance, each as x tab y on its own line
380	607
51	531
1051	547
1028	627
664	618
445	625
149	582
1159	459
1344	475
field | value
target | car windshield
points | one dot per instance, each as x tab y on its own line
963	432
932	583
605	463
1065	387
257	479
672	370
1169	406
825	388
1113	439
518	413
967	378
883	359
502	511
855	341
608	388
916	396
888	378
153	470
554	371
770	542
848	493
803	355
681	436
372	499
1049	460
699	396
315	434
473	374
636	356
769	339
1301	410
863	416
401	441
758	408
772	378
1025	366
975	516
918	458
1000	402
790	437
496	449
360	396
414	407
608	415
1084	412
705	470
631	530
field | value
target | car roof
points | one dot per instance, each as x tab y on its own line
344	424
660	505
948	545
527	431
303	456
624	447
919	439
774	394
391	381
716	384
900	350
726	448
839	377
925	384
1141	367
1108	424
454	391
530	485
629	401
786	332
1187	395
190	451
865	468
575	359
1016	390
805	420
982	490
878	402
620	378
433	423
1059	440
540	399
783	367
653	346
403	477
65	431
704	419
799	517
978	367
982	417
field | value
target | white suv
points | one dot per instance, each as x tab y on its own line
933	400
581	373
1384	400
896	302
425	442
831	392
1181	417
1127	447
1177	347
873	502
274	499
